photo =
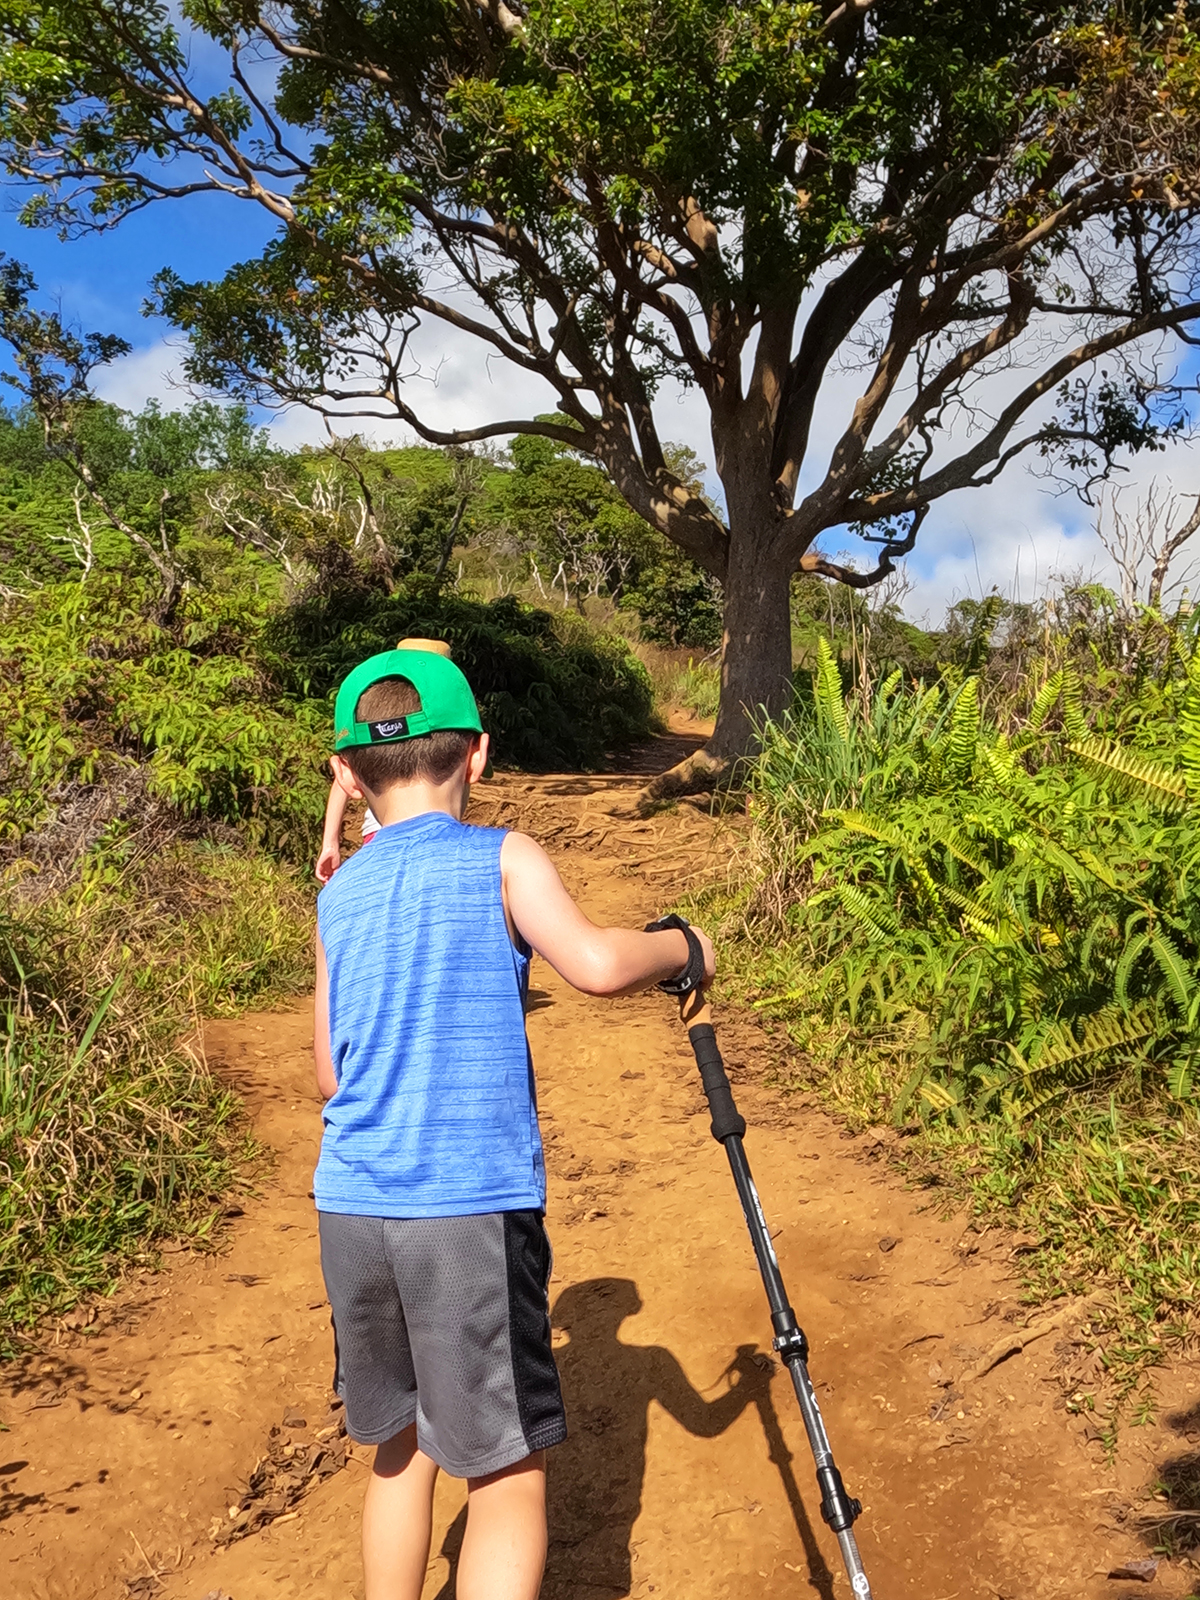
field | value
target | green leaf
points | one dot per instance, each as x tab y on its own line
1158	783
1174	969
827	692
962	737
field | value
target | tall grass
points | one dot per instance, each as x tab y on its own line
697	687
114	1135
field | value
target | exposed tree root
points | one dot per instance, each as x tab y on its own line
1013	1343
700	773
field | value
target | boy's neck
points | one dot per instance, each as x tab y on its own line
404	800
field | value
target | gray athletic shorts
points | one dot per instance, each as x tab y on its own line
444	1321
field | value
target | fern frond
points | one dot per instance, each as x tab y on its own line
910	850
962	737
1043	701
976	916
1158	783
963	849
1104	1032
1061	688
879	923
1189	725
1179	1079
827	691
890	684
1125	966
992	1078
1098	868
1074	720
873	827
937	1096
1002	767
1173	968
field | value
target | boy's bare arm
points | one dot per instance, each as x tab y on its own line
609	961
326	1080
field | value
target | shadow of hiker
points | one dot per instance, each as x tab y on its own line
1172	1517
595	1478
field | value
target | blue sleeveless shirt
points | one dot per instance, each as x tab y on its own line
435	1114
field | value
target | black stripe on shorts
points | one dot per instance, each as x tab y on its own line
535	1376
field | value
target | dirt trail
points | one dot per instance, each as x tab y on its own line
127	1443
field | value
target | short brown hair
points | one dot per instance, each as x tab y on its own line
431	756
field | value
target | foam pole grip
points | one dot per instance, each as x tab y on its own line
726	1119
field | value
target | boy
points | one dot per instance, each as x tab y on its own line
430	1184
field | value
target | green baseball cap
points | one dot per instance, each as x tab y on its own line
446	699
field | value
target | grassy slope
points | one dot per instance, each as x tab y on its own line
113	1134
1104	1194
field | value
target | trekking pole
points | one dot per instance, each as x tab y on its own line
838	1509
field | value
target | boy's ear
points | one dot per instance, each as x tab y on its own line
344	777
477	761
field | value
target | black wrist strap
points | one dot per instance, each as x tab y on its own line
692	975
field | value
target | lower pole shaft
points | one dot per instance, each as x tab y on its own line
838	1509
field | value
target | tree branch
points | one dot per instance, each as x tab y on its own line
507	21
846	16
962	472
814	561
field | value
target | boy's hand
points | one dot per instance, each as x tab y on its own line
328	862
710	956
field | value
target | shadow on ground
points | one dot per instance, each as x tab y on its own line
595	1478
1175	1520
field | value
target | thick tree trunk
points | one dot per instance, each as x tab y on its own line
756	665
760	556
756	658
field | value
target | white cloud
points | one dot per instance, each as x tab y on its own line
151	373
1012	536
1018	536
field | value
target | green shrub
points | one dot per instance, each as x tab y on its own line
678	604
186	719
993	937
1022	906
552	690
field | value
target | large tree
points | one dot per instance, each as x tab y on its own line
968	225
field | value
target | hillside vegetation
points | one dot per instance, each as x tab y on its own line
968	891
974	905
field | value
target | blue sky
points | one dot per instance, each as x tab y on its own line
1015	535
102	279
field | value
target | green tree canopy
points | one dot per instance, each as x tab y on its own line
974	208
